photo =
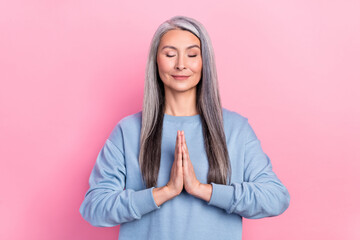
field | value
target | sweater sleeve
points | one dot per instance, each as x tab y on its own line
107	203
261	194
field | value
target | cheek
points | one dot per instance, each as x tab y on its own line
196	66
164	65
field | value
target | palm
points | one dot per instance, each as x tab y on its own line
190	181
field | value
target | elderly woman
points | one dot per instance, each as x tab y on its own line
184	167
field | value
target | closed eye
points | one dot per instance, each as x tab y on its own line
174	55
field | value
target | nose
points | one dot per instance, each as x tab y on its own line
180	63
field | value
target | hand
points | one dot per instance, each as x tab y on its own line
176	183
182	175
191	183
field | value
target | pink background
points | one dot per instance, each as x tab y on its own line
70	70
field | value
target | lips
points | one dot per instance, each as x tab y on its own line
180	77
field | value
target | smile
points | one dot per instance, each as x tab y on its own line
180	77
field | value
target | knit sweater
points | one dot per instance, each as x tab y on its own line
117	193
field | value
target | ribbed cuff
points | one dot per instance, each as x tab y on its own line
143	201
222	196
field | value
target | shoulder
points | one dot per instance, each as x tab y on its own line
131	121
238	124
233	118
127	125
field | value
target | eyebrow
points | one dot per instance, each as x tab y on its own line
172	47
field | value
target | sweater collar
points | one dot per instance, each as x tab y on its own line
171	118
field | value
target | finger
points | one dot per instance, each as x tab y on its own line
184	141
185	156
180	155
179	140
176	143
185	161
186	152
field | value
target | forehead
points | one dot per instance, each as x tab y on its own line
179	38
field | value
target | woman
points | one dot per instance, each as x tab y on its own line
184	167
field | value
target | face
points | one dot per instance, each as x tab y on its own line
179	60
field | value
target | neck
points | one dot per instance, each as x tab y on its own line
181	103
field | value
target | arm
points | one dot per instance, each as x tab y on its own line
107	203
261	194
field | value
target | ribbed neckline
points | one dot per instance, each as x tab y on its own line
179	119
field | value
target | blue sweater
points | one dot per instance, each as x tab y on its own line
117	194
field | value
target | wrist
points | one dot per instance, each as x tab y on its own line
203	191
196	190
169	192
161	195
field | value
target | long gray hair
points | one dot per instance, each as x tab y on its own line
208	105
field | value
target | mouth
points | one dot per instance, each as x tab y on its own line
180	77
